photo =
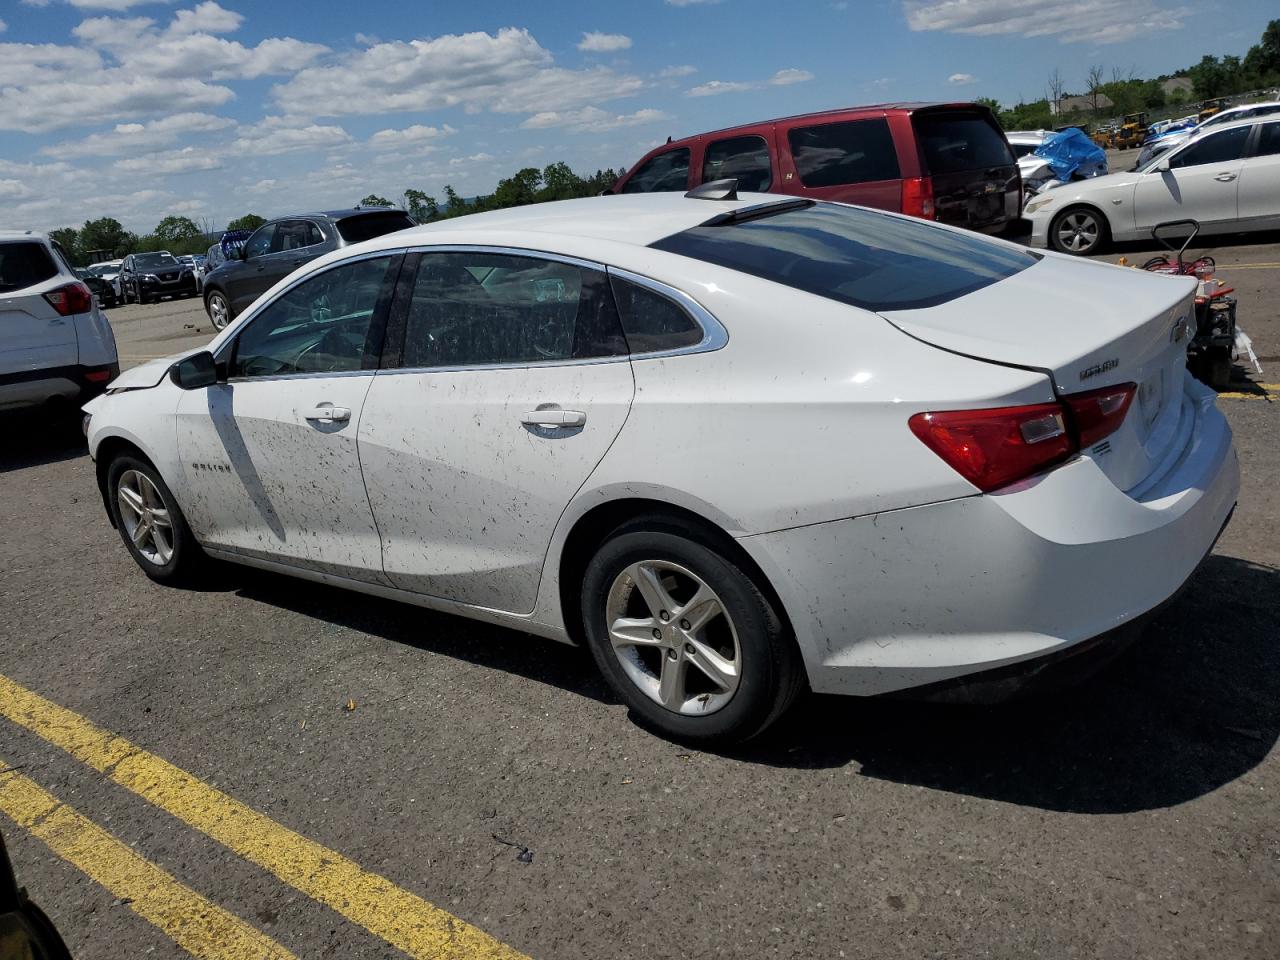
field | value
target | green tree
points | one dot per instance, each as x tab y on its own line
421	206
250	221
1263	59
560	183
454	205
69	239
177	231
373	200
106	233
1209	78
517	190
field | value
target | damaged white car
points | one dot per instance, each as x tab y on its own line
735	445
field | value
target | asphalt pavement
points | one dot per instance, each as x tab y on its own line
321	774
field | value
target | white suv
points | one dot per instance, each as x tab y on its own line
55	344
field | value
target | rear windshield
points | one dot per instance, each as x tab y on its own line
954	142
366	226
24	265
854	255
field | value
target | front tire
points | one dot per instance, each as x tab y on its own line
685	637
218	309
1079	231
150	523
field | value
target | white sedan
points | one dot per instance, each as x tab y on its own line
733	445
1227	179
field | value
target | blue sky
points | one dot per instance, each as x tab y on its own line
138	109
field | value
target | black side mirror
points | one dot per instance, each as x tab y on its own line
242	253
196	371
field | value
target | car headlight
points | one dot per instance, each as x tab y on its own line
1038	204
151	276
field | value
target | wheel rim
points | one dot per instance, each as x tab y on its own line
1078	232
674	637
218	311
145	518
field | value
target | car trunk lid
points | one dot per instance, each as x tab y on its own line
1087	325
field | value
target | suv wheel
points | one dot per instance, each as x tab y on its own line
152	527
215	304
686	638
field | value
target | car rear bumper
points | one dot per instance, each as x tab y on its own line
33	388
914	597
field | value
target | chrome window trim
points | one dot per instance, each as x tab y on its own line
528	253
244	320
714	335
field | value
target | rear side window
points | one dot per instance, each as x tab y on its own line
366	226
652	323
833	154
24	265
294	235
665	172
955	142
861	257
1269	140
746	159
483	309
1216	148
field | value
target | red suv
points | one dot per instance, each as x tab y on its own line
940	161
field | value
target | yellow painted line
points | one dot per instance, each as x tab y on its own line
402	919
201	928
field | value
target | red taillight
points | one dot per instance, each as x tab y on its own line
996	447
73	298
917	198
1098	413
98	376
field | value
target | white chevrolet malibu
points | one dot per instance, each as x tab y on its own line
733	445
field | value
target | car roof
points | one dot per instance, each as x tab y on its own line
832	115
335	214
637	219
1231	125
12	235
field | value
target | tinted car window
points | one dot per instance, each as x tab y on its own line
366	226
260	242
155	261
665	172
320	326
861	257
477	309
24	265
746	159
953	142
1269	140
1021	150
652	322
832	154
1216	148
294	235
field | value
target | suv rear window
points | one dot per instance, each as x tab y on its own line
954	142
366	226
857	256
860	151
24	265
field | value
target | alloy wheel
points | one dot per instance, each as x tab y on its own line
673	637
1079	231
218	311
145	518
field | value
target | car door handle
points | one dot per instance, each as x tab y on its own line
328	413
554	418
1225	177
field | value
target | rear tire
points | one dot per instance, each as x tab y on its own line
218	309
725	666
150	523
1079	231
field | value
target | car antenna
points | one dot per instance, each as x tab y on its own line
715	190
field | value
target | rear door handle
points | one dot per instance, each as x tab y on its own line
328	413
554	418
1225	177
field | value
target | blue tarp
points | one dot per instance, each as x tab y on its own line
1071	153
232	241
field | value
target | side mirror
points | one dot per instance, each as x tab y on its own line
196	371
242	252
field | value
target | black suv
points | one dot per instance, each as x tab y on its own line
280	246
145	277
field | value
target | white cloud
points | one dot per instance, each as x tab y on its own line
506	72
713	87
1085	21
684	70
131	138
961	79
591	120
474	158
183	160
115	5
206	17
3	26
594	42
409	136
276	135
789	76
690	3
